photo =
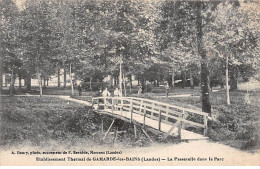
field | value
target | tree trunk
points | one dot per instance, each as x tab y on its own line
143	84
206	106
169	80
20	82
227	88
65	77
28	83
124	84
90	84
131	83
39	81
183	76
1	79
191	80
173	74
6	80
12	83
120	80
233	78
58	75
111	81
71	82
115	80
47	81
222	82
44	82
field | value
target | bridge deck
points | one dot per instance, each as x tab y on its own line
151	123
137	118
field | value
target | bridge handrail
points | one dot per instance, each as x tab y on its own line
173	106
159	106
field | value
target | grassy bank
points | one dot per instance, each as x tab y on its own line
236	124
45	121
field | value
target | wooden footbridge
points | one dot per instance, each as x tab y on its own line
155	116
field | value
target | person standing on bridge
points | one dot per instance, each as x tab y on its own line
139	90
105	93
117	93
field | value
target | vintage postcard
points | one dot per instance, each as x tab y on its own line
129	83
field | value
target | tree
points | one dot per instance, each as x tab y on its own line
10	61
230	38
37	38
182	24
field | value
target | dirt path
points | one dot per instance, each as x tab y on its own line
185	153
192	153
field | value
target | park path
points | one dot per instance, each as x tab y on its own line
68	98
223	154
200	151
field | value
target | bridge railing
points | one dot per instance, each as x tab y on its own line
161	112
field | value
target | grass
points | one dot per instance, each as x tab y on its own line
236	124
23	118
47	121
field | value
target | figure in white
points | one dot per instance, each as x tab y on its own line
105	93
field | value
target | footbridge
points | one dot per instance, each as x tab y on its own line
155	116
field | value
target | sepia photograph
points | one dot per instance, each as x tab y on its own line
129	83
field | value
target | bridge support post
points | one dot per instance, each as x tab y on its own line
115	135
135	131
180	125
105	104
147	135
108	129
102	125
171	129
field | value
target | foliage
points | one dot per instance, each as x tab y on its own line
231	34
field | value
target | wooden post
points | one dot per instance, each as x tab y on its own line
113	104
144	115
152	110
205	125
105	103
167	113
131	110
135	131
121	106
147	135
141	106
159	124
171	129
180	126
109	129
115	135
71	82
